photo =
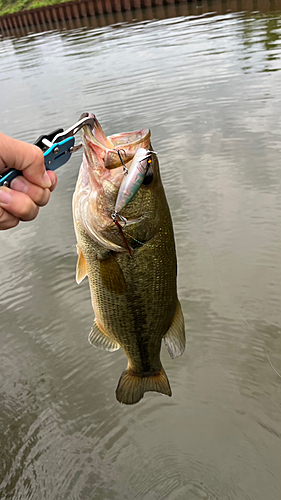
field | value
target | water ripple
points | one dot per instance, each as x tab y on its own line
208	87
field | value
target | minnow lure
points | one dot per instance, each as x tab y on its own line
134	179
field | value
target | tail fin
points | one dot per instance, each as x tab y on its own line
131	387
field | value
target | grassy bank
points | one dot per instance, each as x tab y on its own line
11	6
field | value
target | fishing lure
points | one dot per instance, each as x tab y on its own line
133	179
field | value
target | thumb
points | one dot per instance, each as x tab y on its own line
25	157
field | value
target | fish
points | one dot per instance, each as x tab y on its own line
129	257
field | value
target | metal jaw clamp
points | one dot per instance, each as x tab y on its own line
57	148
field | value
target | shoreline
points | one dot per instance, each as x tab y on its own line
7	8
50	17
26	6
97	13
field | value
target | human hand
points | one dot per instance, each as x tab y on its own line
29	191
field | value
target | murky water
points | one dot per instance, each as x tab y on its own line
209	87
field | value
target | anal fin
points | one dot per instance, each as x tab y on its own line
174	339
98	338
131	386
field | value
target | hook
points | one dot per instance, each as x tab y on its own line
125	170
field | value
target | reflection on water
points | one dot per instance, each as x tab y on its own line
174	8
209	89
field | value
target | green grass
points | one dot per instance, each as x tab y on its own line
11	6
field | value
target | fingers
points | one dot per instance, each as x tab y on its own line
24	156
7	221
17	204
29	191
53	179
37	194
23	200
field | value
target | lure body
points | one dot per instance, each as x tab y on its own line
134	179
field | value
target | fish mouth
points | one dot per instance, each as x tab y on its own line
100	178
115	150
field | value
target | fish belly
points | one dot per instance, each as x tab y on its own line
139	316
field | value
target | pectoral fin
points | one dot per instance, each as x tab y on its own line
112	276
99	339
175	336
81	268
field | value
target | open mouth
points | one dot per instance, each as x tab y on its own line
115	150
102	178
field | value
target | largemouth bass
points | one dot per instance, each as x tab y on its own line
129	258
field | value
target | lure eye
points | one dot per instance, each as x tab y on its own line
149	173
148	178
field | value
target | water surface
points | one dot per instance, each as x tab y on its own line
209	88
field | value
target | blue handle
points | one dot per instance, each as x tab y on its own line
56	156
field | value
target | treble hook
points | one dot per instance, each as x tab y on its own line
125	170
114	215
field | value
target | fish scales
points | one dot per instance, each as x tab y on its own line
134	297
135	320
